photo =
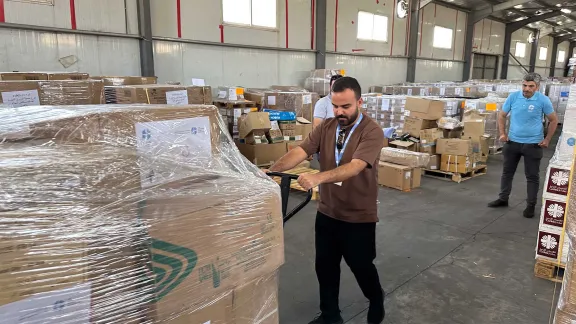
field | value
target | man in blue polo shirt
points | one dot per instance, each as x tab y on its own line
525	139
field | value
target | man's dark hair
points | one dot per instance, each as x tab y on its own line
535	77
335	77
348	83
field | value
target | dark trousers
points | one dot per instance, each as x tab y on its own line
532	154
356	242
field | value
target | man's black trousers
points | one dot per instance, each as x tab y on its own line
532	154
356	242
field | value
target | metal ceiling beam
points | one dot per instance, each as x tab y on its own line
424	3
450	5
146	45
519	24
548	31
481	14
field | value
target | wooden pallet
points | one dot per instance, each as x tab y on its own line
294	185
495	150
234	103
455	176
549	270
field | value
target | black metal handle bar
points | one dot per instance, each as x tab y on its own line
285	181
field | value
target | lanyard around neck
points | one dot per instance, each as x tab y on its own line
339	153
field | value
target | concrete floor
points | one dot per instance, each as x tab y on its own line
443	257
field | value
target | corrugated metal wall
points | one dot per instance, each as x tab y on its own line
201	20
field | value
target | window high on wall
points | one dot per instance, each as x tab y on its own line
520	49
543	53
258	13
443	37
561	56
372	27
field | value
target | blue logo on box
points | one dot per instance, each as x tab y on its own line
571	141
146	134
564	94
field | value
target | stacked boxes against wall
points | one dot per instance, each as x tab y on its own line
561	210
65	92
134	214
558	94
555	192
387	111
319	81
489	108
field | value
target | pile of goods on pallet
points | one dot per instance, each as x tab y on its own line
131	213
559	217
552	248
319	80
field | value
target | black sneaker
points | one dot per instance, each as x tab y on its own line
322	320
530	211
498	203
376	313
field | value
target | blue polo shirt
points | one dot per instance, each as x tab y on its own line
526	116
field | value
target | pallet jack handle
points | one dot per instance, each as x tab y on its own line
285	182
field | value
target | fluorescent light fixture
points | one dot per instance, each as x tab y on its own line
559	5
518	6
564	10
559	23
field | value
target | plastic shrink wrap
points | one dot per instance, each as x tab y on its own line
560	187
488	108
386	111
63	92
158	94
404	157
319	81
133	214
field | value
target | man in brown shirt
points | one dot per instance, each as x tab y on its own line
347	212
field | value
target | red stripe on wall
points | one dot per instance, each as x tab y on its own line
313	24
2	16
221	33
179	18
393	16
336	29
72	14
286	23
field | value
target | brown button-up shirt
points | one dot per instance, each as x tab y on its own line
354	201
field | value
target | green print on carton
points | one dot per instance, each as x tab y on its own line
180	267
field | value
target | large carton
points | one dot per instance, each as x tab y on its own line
454	146
158	94
457	163
254	121
297	102
263	155
125	80
399	177
413	125
425	108
434	163
428	138
33	93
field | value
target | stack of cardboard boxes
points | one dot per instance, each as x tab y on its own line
134	214
558	94
319	81
387	111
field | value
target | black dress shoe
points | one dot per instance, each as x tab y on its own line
323	320
530	211
498	203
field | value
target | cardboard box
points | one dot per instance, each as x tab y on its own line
158	94
473	129
429	136
457	163
287	125
435	162
453	146
257	301
263	155
425	108
452	133
68	76
275	136
254	121
125	80
23	76
218	247
219	310
399	177
33	93
257	137
406	145
298	102
413	125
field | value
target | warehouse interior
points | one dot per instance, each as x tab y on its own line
213	250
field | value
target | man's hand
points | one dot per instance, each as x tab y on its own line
544	143
266	171
504	138
309	181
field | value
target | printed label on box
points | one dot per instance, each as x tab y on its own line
21	98
198	82
179	97
222	94
459	91
307	99
422	92
442	91
385	104
558	181
409	92
554	212
232	94
70	305
548	244
168	146
271	101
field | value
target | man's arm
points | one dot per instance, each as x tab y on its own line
552	125
289	160
502	116
340	174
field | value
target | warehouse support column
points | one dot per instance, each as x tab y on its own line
506	53
320	38
534	52
468	43
146	45
413	40
554	56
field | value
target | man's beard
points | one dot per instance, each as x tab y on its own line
347	121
